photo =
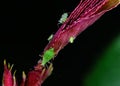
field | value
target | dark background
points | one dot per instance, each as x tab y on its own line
26	25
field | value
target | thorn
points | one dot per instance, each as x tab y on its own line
14	73
11	67
4	61
50	69
43	72
8	65
23	75
50	66
14	79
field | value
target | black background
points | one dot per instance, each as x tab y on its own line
26	25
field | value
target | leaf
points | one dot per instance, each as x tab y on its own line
107	71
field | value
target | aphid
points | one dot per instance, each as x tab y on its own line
50	37
63	18
71	40
48	55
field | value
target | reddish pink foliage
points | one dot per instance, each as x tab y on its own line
34	77
7	77
84	15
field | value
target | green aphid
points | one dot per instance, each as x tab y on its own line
71	40
50	37
48	55
63	18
